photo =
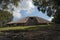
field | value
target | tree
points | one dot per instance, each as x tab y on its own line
52	7
4	3
6	16
57	17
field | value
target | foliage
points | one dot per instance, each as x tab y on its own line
5	17
57	17
52	7
4	3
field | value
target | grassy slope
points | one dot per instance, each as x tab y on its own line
23	27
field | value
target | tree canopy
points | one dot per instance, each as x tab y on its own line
51	7
6	16
5	3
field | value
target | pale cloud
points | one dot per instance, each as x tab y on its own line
16	14
26	5
16	11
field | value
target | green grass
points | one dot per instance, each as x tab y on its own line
24	27
14	28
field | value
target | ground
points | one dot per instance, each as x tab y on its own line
39	32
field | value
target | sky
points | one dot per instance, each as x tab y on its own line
26	8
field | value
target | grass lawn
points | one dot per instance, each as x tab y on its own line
23	27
